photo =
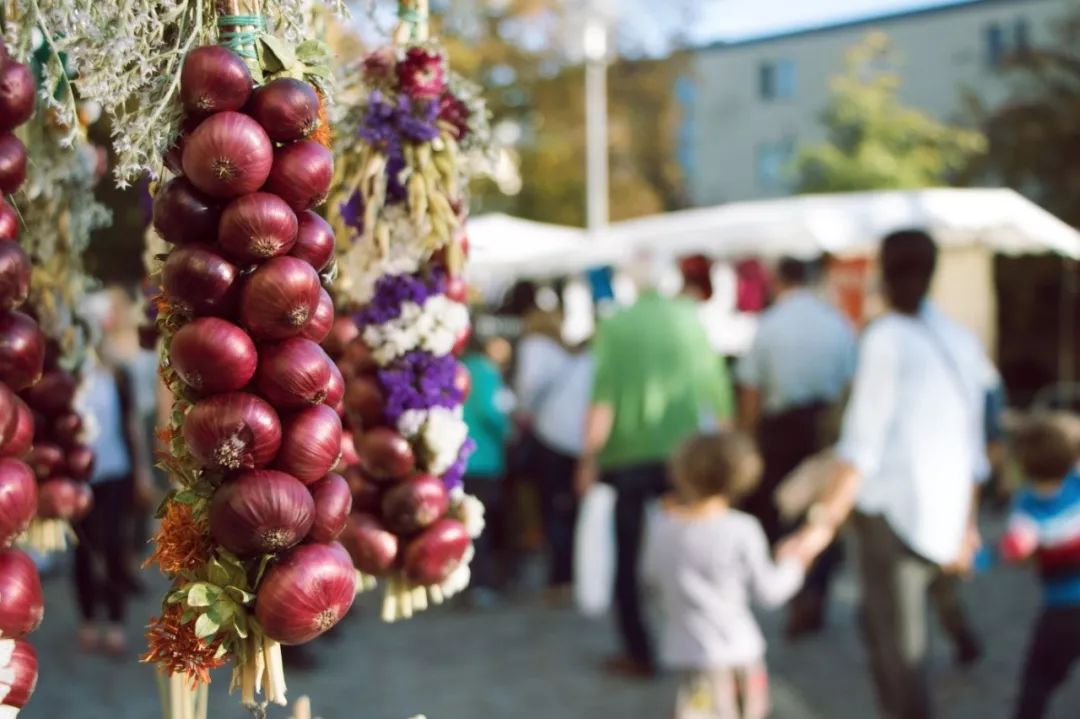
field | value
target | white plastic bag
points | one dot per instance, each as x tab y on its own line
594	551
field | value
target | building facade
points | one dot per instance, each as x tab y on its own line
748	106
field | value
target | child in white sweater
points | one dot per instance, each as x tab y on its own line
708	562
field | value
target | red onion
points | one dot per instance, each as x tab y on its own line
260	512
18	672
257	226
348	452
18	499
385	454
9	222
305	593
287	109
79	463
301	174
214	79
358	354
174	156
182	214
335	389
310	443
12	163
236	430
457	289
373	548
22	608
343	332
314	240
293	374
53	394
462	342
318	327
279	298
462	380
17	442
14	276
8	411
437	552
17	91
199	281
67	428
22	350
228	155
365	403
366	493
46	459
412	505
212	355
333	502
62	498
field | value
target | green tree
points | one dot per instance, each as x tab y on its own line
873	140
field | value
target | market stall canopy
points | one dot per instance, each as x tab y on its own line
809	225
505	247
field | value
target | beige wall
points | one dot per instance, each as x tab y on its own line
943	53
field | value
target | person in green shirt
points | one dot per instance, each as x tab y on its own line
658	381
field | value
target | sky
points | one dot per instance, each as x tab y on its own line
716	20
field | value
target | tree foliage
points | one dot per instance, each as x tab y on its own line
873	140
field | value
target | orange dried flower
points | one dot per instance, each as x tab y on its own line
174	646
181	542
322	133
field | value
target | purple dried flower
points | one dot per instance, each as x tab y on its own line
452	477
419	381
392	291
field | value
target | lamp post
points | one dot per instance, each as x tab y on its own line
596	119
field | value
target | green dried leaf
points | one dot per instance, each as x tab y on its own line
277	55
238	594
206	627
202	594
217	573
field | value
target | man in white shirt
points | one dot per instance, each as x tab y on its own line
911	453
797	369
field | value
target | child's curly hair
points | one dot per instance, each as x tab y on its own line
709	465
1047	445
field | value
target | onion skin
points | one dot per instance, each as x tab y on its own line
257	227
364	403
9	222
310	443
348	452
22	608
22	350
301	174
279	298
79	462
366	493
228	155
46	459
343	332
214	79
333	503
335	389
288	109
53	393
314	240
415	504
183	215
318	327
21	668
293	374
462	380
17	90
18	499
14	276
305	593
18	442
358	354
212	355
457	289
199	281
67	429
385	454
436	553
374	549
261	512
236	430
61	498
12	163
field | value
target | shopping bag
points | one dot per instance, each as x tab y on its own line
594	551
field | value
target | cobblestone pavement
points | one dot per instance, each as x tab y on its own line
528	661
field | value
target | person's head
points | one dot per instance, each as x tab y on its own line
716	465
646	271
908	259
791	274
1047	445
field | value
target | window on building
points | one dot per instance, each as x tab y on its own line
773	162
1021	38
776	80
995	45
1003	41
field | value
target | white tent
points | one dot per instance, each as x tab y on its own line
505	248
808	225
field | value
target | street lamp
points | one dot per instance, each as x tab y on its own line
595	47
